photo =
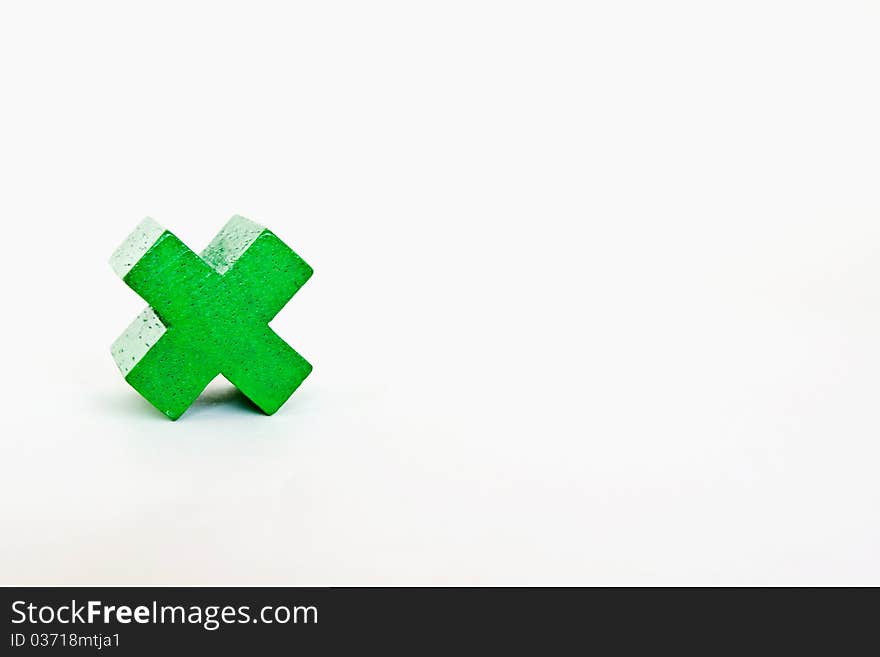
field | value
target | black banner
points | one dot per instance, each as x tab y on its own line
151	621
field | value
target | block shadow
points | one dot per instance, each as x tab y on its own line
223	395
219	398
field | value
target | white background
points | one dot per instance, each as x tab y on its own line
596	294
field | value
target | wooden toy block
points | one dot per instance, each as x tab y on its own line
208	314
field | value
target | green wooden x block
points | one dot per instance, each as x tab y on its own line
209	315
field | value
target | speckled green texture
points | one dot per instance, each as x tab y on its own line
209	315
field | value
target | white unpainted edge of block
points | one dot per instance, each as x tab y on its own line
135	246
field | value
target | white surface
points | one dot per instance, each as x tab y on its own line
596	294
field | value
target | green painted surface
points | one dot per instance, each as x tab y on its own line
209	315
